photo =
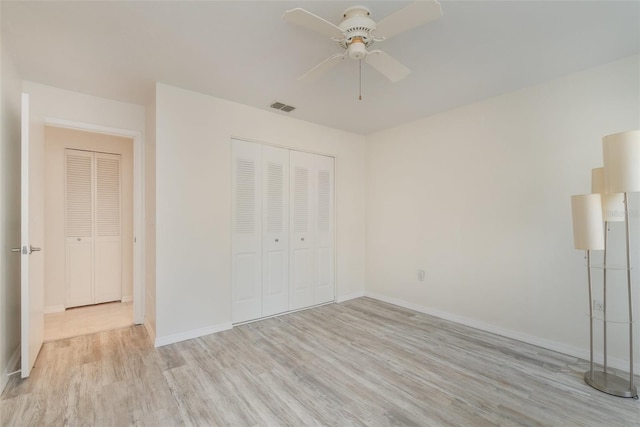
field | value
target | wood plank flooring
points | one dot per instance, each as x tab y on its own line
87	320
362	362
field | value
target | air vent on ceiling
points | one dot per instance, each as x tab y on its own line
282	107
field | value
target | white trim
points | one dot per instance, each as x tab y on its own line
150	330
350	296
54	309
127	298
570	350
193	333
11	365
138	202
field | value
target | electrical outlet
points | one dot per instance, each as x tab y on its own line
598	305
421	275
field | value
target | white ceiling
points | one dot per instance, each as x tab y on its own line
244	51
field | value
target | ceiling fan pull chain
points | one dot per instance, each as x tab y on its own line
360	73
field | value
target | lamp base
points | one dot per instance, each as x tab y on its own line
610	384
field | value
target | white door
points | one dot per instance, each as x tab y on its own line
79	196
93	217
108	228
275	237
302	236
246	246
323	284
31	258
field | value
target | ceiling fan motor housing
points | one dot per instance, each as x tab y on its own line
357	27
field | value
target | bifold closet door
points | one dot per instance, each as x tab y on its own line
323	282
246	241
275	236
302	229
312	225
79	200
108	229
93	213
282	230
260	242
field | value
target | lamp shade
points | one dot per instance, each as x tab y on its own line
588	228
622	162
612	204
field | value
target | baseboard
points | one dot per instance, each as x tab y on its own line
194	333
54	309
569	350
347	297
127	298
12	365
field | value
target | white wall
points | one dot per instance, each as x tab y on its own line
9	218
56	141
193	203
478	197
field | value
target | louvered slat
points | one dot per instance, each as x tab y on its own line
301	200
78	197
324	202
245	196
275	198
108	196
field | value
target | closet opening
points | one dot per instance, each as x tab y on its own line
283	225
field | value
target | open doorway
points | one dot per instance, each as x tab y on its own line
89	232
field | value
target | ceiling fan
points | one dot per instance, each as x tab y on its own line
358	32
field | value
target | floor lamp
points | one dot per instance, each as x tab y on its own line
613	209
588	235
622	175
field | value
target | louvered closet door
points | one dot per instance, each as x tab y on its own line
108	218
302	210
324	287
79	227
275	236
246	246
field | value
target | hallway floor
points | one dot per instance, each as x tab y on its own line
86	320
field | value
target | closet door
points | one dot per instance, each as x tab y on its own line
246	242
108	241
302	235
79	193
324	287
275	236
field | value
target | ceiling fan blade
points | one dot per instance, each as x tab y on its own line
308	20
417	13
387	65
322	67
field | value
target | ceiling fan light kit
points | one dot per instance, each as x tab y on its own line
358	31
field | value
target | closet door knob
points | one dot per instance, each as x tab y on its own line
302	239
277	240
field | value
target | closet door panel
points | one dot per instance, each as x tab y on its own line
108	228
79	274
324	286
246	242
275	238
79	192
108	271
302	238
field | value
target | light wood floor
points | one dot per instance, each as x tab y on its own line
87	320
362	362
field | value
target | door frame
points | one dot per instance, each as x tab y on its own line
138	202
